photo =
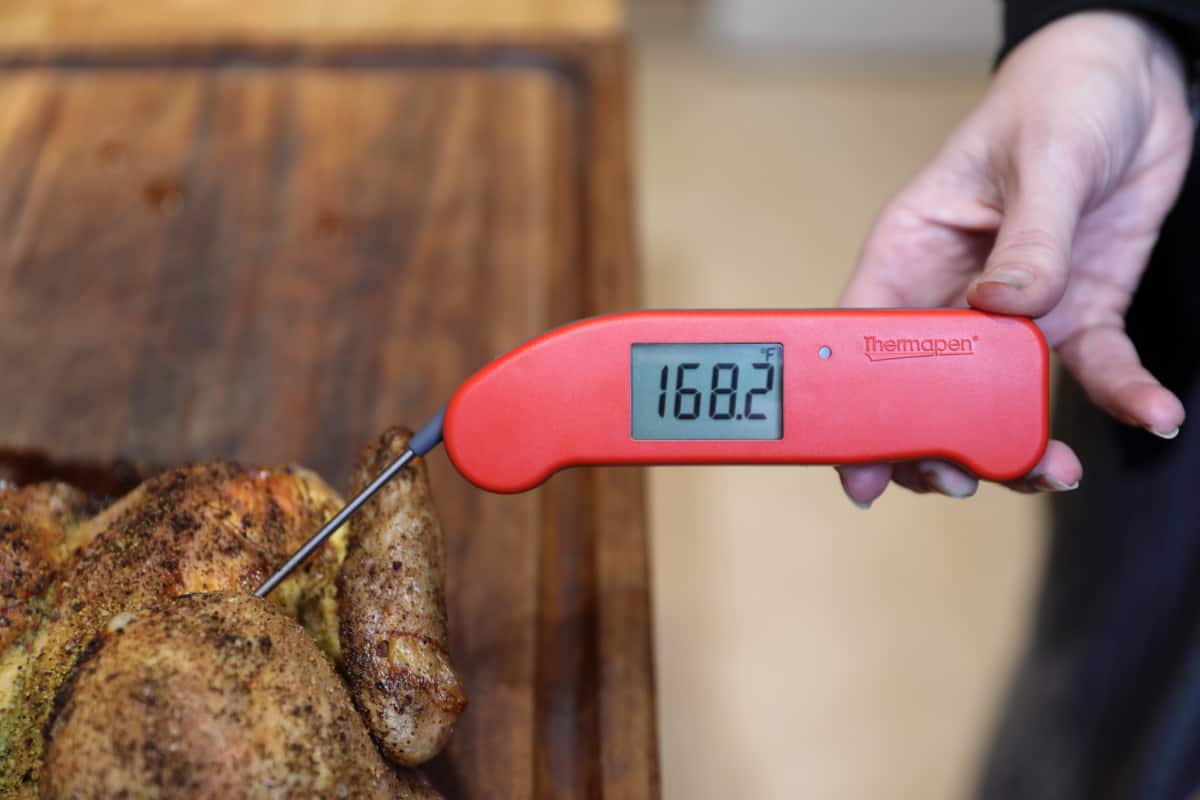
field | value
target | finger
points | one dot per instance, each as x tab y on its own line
864	483
1106	364
938	476
1026	272
906	474
872	284
945	478
911	261
929	240
1058	471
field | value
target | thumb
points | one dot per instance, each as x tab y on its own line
1026	273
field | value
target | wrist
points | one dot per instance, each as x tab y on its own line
1165	59
1183	71
1127	43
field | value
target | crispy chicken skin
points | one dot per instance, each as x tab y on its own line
217	695
202	528
134	660
39	527
392	611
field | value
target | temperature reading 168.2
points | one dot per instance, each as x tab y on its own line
706	391
722	391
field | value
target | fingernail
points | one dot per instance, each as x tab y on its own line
950	482
1171	434
861	505
1010	276
1049	484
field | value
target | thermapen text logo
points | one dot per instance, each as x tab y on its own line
881	349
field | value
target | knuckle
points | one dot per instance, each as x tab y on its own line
1069	159
1031	248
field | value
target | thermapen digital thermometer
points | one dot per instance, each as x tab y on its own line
744	387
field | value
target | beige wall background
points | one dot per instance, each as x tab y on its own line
807	649
888	26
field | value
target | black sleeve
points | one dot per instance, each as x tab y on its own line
1180	19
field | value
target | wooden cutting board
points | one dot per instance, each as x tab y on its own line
272	255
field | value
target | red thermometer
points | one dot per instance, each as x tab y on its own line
746	387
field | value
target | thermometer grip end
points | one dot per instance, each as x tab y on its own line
430	434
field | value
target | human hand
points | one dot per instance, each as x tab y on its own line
1045	202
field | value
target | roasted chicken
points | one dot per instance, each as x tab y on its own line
135	661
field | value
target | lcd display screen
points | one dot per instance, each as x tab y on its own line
707	391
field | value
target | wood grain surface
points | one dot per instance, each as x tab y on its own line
272	262
64	23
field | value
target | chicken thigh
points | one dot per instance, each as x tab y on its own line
392	613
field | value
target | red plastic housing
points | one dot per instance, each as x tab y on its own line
896	384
